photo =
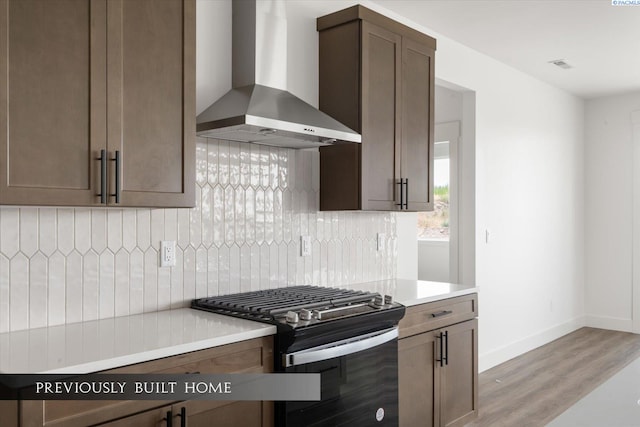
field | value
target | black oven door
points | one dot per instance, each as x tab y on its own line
359	383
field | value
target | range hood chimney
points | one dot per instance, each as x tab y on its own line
258	108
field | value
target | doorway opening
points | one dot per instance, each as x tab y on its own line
446	236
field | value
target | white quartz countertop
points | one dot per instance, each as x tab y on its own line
414	292
92	346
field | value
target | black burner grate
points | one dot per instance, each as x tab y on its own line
273	302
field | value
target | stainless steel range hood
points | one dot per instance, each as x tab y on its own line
258	109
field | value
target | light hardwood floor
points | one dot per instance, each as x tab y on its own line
533	389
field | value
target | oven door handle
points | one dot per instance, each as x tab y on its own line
340	348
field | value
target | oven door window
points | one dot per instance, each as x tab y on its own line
359	389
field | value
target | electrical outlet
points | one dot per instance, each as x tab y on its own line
167	253
305	245
380	238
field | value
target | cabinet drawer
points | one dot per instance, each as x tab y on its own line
252	356
438	314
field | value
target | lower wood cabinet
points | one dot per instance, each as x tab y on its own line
251	356
438	368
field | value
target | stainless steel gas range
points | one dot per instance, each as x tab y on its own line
348	336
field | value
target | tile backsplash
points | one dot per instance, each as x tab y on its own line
64	265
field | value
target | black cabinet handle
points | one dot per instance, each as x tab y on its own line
446	348
117	159
401	184
169	419
103	177
441	313
406	190
439	359
183	417
404	193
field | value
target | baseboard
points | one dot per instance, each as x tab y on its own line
495	357
612	323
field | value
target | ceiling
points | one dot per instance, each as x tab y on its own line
601	41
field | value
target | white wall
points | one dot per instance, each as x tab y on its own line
529	193
448	104
433	260
608	207
530	196
467	204
213	51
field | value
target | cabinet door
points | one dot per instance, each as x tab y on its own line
52	100
416	380
458	382
417	117
380	115
151	98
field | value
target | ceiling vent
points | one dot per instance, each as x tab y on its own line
561	63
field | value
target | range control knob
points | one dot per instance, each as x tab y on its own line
388	299
292	317
305	314
378	301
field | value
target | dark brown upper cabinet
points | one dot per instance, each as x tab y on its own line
84	82
377	77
